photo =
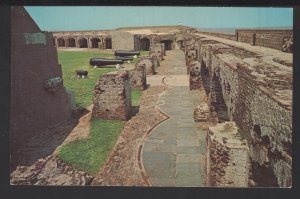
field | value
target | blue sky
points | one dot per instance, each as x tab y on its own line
53	18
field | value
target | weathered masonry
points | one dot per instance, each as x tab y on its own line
280	39
39	100
112	98
136	39
83	39
251	86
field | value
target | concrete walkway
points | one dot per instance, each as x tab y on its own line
173	153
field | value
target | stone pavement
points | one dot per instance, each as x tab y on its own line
173	153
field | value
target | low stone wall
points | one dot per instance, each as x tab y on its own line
222	35
50	171
112	96
137	76
227	161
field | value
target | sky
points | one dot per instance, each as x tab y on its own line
64	18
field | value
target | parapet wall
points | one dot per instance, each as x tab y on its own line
244	87
222	35
270	38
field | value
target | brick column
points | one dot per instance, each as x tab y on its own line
112	96
56	42
89	42
76	42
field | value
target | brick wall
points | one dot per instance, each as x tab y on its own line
33	61
265	121
112	96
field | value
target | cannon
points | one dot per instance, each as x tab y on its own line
123	53
104	61
129	58
81	73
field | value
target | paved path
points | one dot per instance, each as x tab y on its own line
173	153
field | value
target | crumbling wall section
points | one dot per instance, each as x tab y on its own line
137	76
227	160
148	61
112	96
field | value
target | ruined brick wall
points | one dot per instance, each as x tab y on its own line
112	96
33	61
137	76
254	98
227	160
270	147
148	61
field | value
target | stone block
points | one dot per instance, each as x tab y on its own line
201	113
112	96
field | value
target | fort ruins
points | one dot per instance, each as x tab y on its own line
247	79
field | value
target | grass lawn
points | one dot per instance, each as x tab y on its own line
135	97
83	88
90	154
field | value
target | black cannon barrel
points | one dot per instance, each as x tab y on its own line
124	58
104	61
123	53
82	72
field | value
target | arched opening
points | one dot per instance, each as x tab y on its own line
168	44
82	43
180	44
95	42
61	42
108	43
71	42
218	106
144	44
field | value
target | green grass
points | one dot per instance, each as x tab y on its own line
83	88
135	97
90	154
